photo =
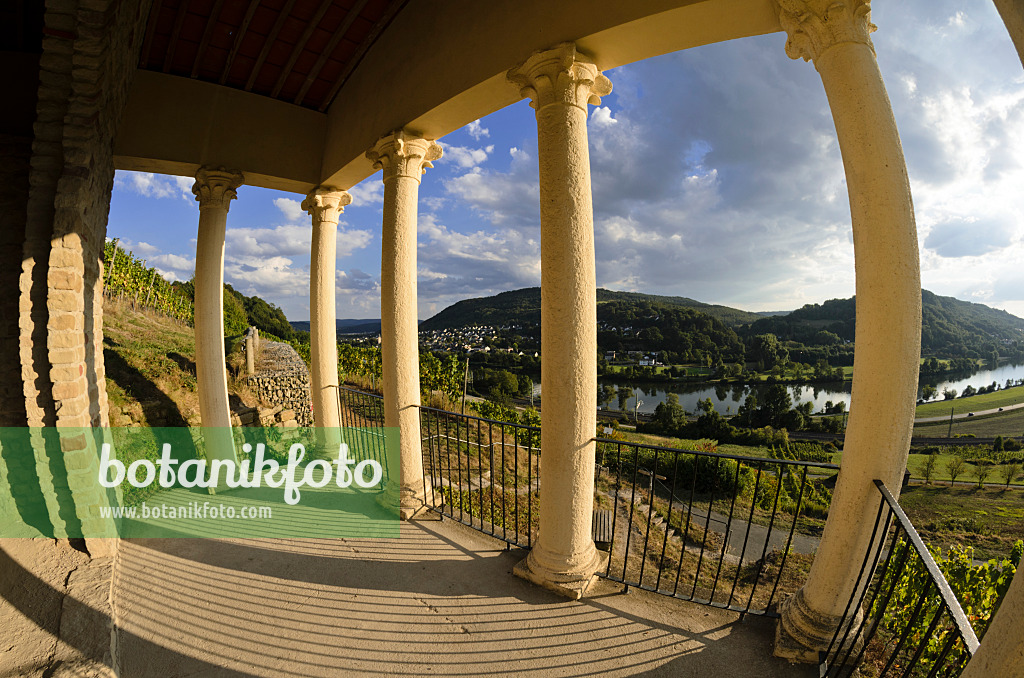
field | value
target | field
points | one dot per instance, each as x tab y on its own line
1009	423
989	519
988	401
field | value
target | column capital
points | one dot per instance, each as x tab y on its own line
813	26
326	203
215	186
401	154
560	75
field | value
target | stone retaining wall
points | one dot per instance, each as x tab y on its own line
282	379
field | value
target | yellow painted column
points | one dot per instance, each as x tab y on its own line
561	83
214	189
325	205
835	35
404	158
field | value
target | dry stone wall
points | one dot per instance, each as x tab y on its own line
282	379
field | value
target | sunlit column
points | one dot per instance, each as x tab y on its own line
834	34
214	189
561	83
404	158
325	204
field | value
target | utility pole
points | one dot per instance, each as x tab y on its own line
949	434
465	385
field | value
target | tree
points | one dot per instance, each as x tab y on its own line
670	416
625	393
955	467
747	415
930	465
1009	472
766	351
928	392
775	406
968	392
710	423
982	471
235	320
525	386
504	385
998	444
948	393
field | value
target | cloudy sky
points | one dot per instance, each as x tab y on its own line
716	174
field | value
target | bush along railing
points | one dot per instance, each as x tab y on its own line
724	530
484	472
903	617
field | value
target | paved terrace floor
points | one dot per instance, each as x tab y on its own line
441	600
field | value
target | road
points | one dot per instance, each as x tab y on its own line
978	413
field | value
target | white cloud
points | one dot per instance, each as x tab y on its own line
291	209
289	241
477	131
467	157
183	266
368	192
454	265
601	116
501	196
152	185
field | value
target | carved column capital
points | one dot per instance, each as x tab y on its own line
215	186
326	204
814	26
560	75
401	154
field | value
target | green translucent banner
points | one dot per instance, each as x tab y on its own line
199	482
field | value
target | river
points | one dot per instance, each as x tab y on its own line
728	397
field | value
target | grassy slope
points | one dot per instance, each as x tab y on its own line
1003	424
151	370
988	401
989	519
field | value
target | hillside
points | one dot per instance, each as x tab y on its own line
950	327
345	325
522	307
150	367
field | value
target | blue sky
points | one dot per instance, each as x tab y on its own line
716	176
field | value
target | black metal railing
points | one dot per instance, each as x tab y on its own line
724	530
483	472
361	414
902	618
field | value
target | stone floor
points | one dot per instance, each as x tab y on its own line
439	601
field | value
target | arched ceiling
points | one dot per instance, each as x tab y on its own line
297	51
293	92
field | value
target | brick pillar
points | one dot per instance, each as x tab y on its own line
90	52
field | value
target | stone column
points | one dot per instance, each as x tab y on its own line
835	35
404	158
214	189
324	204
561	83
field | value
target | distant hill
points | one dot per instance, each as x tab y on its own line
522	307
346	325
950	327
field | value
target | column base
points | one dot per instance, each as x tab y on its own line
410	501
803	633
573	585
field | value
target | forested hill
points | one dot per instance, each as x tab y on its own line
522	307
950	327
